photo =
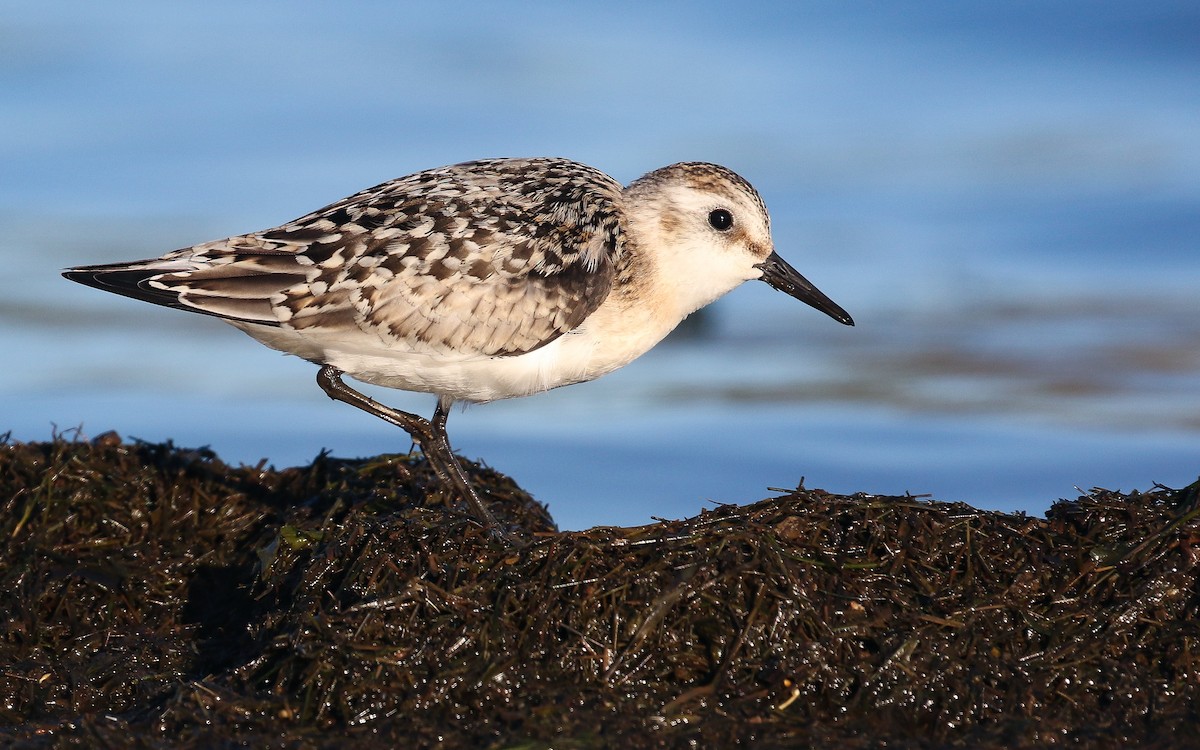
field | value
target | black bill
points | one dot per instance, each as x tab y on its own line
781	276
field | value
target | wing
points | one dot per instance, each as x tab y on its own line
494	257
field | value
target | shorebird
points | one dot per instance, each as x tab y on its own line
478	281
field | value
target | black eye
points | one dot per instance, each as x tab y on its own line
720	219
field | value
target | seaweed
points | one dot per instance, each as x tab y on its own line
154	596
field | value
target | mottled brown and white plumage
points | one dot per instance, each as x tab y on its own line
484	280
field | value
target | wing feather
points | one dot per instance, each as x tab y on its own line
495	257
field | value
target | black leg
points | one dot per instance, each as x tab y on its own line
430	436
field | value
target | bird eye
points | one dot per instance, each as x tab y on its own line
720	219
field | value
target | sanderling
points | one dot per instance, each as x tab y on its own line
479	281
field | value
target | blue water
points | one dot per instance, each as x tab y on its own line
1005	196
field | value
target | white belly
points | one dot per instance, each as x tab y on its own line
606	342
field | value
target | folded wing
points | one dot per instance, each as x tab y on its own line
496	257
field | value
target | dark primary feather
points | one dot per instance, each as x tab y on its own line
133	281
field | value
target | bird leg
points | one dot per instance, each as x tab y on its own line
430	436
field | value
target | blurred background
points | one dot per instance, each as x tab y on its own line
1005	196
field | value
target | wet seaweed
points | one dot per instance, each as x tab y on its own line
156	596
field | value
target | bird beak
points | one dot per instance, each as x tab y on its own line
781	276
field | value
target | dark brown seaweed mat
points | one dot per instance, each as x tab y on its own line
156	597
